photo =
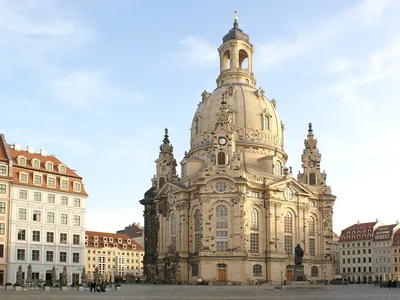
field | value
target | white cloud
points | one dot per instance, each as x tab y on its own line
82	89
364	15
197	52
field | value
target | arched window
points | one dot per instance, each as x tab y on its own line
266	122
257	270
312	179
226	61
221	158
197	230
173	232
311	226
221	227
311	233
288	227
243	60
314	271
161	182
254	236
288	222
254	219
278	168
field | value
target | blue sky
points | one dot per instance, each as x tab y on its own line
96	82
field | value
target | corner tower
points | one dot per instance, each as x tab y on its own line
311	164
166	163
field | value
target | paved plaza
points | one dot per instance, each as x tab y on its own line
212	292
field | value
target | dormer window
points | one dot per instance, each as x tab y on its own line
36	163
105	245
51	181
95	244
37	179
110	239
23	177
62	169
128	241
22	161
49	166
104	239
124	246
119	240
86	237
77	187
64	184
96	238
133	247
3	170
115	245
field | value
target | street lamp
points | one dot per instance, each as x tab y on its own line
281	278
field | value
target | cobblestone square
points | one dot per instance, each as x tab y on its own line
212	292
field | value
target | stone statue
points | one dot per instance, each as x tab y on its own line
298	255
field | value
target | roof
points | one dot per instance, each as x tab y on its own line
4	154
384	233
28	168
358	232
396	238
125	240
236	34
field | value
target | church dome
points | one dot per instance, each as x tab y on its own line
256	128
254	116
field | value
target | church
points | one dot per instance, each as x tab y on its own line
236	213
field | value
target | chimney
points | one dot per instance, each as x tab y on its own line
30	149
17	147
43	152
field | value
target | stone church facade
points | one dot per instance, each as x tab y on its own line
236	212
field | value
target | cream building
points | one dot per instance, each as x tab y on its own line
113	254
356	248
5	182
382	252
47	216
237	213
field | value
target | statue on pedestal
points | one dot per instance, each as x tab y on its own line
298	256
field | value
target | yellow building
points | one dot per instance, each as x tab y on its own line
113	255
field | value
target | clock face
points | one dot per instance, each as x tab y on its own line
222	141
288	193
311	163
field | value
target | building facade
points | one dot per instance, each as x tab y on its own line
396	255
382	252
237	213
47	216
5	183
337	255
113	255
356	247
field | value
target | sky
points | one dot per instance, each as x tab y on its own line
95	82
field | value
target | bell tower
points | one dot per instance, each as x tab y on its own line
236	57
311	163
166	163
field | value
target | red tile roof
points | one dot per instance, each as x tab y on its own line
384	233
396	238
3	149
69	174
115	236
358	232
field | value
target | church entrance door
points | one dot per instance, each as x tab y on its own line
222	272
289	275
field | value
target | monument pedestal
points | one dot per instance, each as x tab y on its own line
298	273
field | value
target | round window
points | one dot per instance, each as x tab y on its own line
220	186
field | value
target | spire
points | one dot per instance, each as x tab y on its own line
310	142
166	147
235	20
310	127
